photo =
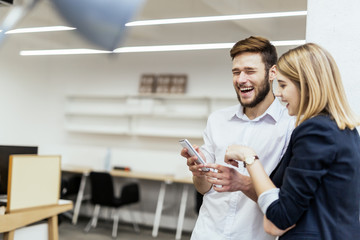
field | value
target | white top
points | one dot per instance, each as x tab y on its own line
232	215
267	198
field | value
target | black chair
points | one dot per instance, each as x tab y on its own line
70	186
102	194
68	190
198	201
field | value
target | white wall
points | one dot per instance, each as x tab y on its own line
334	24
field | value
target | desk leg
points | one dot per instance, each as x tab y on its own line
79	198
53	228
9	235
182	211
159	207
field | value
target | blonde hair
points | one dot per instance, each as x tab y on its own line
322	91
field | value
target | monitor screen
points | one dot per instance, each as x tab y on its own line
6	2
5	152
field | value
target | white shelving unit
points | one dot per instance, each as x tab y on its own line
142	115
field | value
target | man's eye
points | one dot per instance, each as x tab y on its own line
236	73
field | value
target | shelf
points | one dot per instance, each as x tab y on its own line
188	115
143	133
97	130
142	96
157	115
179	134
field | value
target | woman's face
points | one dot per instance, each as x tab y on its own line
289	93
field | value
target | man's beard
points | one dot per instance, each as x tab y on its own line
264	89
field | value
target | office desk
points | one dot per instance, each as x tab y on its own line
11	221
84	171
186	181
163	178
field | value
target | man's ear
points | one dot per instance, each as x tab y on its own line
272	73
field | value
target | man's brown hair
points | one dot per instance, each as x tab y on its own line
256	45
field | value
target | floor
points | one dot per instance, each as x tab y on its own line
103	231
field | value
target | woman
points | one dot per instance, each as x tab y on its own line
315	189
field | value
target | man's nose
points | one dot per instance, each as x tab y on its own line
242	78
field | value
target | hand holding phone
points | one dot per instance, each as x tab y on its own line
192	152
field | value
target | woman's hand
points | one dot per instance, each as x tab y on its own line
271	229
235	153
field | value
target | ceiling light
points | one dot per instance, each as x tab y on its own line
40	29
161	48
216	18
61	52
288	43
189	47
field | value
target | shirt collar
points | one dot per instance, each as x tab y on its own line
273	111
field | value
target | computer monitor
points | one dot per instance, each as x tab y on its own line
5	152
6	2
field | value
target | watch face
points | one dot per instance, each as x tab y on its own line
249	160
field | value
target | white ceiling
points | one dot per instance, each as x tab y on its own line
286	28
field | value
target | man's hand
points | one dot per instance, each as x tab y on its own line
200	181
191	162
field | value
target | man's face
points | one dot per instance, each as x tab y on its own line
250	80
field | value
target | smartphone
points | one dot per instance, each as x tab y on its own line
192	152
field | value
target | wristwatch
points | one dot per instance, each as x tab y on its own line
249	160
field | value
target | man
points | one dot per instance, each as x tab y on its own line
260	121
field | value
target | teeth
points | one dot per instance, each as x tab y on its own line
246	89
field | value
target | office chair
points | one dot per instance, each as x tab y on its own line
70	186
68	190
198	201
102	194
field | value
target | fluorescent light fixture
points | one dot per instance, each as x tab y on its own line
128	49
189	47
61	52
216	18
164	48
161	48
40	29
288	43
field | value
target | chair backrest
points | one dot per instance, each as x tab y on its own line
70	186
102	189
130	193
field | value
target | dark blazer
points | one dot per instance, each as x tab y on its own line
319	181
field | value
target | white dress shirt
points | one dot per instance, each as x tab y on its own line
232	215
